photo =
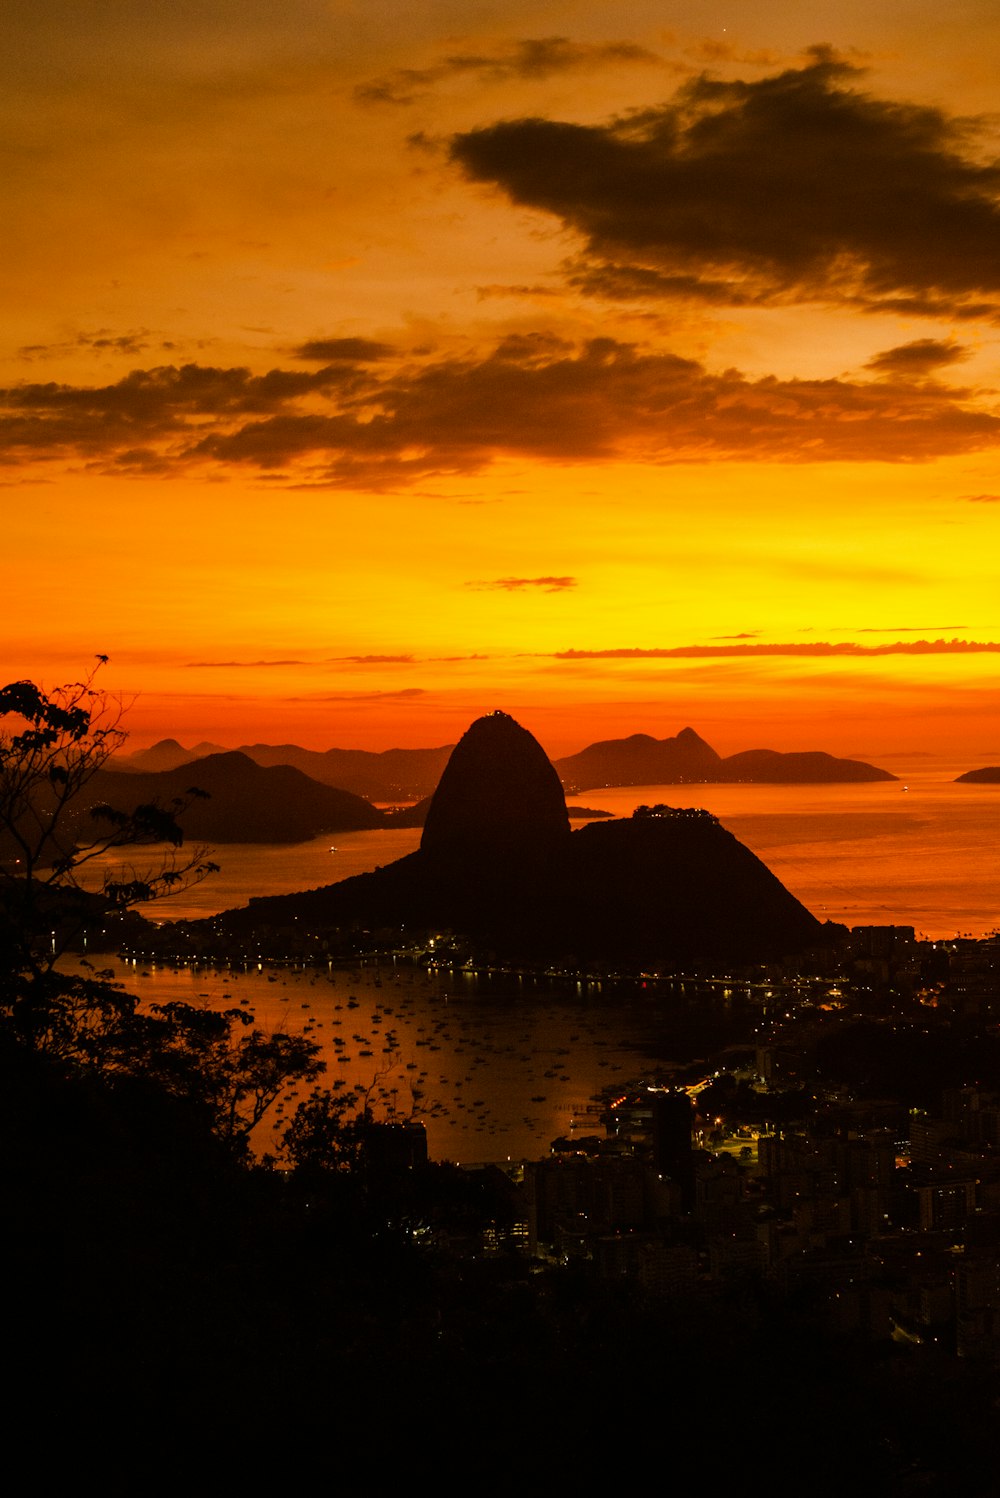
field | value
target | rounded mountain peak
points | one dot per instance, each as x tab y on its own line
498	792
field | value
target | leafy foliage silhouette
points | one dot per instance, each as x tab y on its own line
51	747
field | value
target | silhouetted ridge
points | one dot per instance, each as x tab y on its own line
168	754
673	884
642	760
988	775
243	802
808	767
390	775
498	793
498	863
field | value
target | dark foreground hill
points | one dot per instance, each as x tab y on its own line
498	864
988	775
244	803
498	792
674	888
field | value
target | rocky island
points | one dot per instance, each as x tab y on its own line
687	759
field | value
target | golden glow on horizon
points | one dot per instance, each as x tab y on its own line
396	479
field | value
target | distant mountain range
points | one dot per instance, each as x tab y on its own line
413	774
392	775
240	801
244	802
687	760
499	863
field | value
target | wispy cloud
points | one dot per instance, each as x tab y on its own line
450	659
518	584
343	350
371	660
918	359
531	59
335	660
812	648
240	665
349	697
101	341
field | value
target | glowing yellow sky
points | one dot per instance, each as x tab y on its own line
369	366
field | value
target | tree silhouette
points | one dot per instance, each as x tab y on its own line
55	745
51	747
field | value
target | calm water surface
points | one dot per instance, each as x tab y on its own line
924	856
495	1068
921	851
498	1067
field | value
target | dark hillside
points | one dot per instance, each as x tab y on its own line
245	803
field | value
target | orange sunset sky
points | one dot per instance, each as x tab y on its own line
367	366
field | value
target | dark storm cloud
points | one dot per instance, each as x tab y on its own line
812	648
532	398
518	584
531	58
921	357
799	186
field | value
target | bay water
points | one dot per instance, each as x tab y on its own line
496	1066
921	851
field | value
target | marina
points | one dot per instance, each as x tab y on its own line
494	1066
